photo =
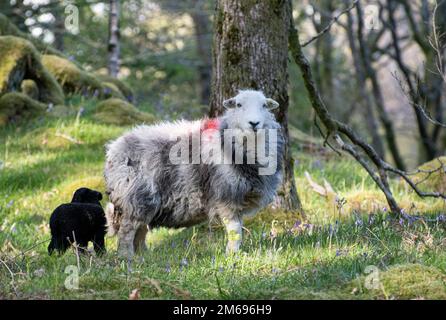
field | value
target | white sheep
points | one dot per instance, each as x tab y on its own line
187	172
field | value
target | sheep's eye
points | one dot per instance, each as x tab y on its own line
265	106
239	105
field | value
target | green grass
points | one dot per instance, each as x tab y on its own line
43	162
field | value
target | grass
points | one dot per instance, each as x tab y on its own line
328	257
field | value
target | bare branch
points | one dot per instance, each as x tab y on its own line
375	166
330	24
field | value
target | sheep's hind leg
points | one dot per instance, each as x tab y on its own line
126	237
139	242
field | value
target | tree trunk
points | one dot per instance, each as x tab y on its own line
368	113
326	43
203	38
113	39
251	51
59	28
377	94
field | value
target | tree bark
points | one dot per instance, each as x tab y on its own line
251	51
114	38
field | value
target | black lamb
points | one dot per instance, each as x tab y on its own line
81	221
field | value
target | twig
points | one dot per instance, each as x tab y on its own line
12	277
77	253
22	253
67	137
330	24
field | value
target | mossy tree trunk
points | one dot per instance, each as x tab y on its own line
114	38
251	51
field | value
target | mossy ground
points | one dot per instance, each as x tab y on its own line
43	162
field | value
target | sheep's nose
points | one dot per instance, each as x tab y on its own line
253	124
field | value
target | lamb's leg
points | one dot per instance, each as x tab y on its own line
140	239
99	243
126	236
51	246
233	227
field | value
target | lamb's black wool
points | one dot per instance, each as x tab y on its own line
81	221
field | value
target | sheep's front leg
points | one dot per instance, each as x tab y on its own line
233	227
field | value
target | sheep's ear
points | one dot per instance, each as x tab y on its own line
230	103
271	104
99	196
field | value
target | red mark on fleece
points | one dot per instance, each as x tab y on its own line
211	124
208	129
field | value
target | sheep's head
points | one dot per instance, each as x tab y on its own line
249	110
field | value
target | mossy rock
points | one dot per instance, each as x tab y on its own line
119	112
29	87
21	61
74	80
123	88
7	28
70	77
435	181
111	90
408	281
16	106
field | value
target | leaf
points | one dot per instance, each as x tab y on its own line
156	284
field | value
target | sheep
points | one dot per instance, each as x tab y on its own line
150	186
81	221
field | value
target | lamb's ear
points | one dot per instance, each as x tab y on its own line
271	104
230	103
99	196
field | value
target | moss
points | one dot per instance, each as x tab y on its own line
435	181
74	80
29	87
120	112
409	281
123	88
16	106
21	61
70	77
7	28
111	90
